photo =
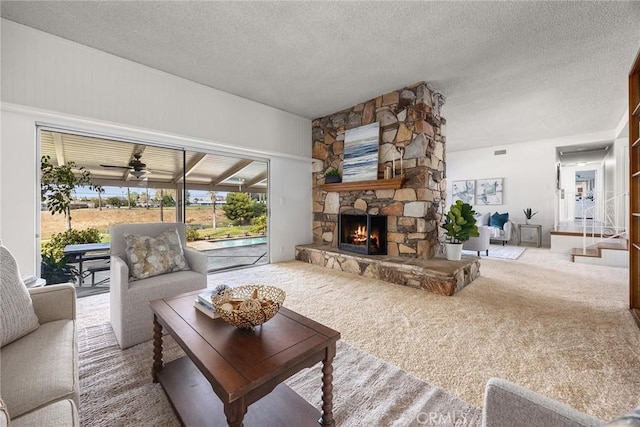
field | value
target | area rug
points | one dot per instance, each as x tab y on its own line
499	252
116	388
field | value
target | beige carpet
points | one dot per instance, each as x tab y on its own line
116	388
556	327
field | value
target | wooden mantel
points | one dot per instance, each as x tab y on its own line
376	184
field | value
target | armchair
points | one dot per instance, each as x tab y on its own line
131	317
480	243
502	235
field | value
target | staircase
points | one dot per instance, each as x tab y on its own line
613	252
598	237
607	245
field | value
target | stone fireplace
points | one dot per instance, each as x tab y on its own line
362	233
412	142
412	146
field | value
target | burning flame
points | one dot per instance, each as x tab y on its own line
359	235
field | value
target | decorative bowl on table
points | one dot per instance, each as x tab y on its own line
249	305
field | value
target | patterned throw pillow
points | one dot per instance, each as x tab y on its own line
16	308
152	256
4	415
631	419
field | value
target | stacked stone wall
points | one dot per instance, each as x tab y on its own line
410	127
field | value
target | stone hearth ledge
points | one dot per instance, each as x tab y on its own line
435	275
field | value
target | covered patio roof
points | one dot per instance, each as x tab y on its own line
126	164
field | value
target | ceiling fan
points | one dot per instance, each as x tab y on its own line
135	167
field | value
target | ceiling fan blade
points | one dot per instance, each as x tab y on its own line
159	171
114	166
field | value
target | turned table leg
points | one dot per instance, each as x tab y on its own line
327	387
235	412
157	349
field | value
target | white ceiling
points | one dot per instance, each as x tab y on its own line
511	71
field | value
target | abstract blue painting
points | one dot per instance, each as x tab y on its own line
489	191
361	153
465	191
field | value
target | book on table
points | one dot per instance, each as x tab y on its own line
212	313
205	298
203	304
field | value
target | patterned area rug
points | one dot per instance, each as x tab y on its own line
499	251
116	388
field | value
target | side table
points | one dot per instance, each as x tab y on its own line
536	227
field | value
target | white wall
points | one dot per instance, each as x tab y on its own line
528	172
46	79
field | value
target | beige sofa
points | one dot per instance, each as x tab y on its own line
39	377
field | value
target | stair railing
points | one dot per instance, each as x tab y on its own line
612	211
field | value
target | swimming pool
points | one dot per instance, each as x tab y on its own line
232	243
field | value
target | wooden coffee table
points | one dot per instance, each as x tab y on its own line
241	367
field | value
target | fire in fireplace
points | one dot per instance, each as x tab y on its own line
363	233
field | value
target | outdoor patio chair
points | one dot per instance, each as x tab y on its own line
93	267
131	317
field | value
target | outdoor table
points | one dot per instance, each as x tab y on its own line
87	251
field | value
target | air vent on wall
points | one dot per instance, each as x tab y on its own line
499	152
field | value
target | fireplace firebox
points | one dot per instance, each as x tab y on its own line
362	233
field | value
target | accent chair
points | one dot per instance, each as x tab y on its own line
480	243
149	261
500	226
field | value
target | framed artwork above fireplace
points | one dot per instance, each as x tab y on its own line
361	153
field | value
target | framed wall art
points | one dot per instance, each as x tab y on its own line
489	191
361	153
465	191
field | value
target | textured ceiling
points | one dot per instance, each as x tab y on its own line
511	71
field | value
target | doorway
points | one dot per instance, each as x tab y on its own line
146	182
585	194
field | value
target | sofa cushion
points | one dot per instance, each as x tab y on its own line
499	220
40	368
62	413
483	219
152	256
632	419
4	415
17	316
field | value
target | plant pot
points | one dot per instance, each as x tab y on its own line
332	179
453	251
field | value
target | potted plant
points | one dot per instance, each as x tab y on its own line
57	270
460	225
332	176
528	214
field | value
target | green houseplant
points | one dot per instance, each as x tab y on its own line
460	225
332	176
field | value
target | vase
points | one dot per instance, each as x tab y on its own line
526	221
332	179
453	251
